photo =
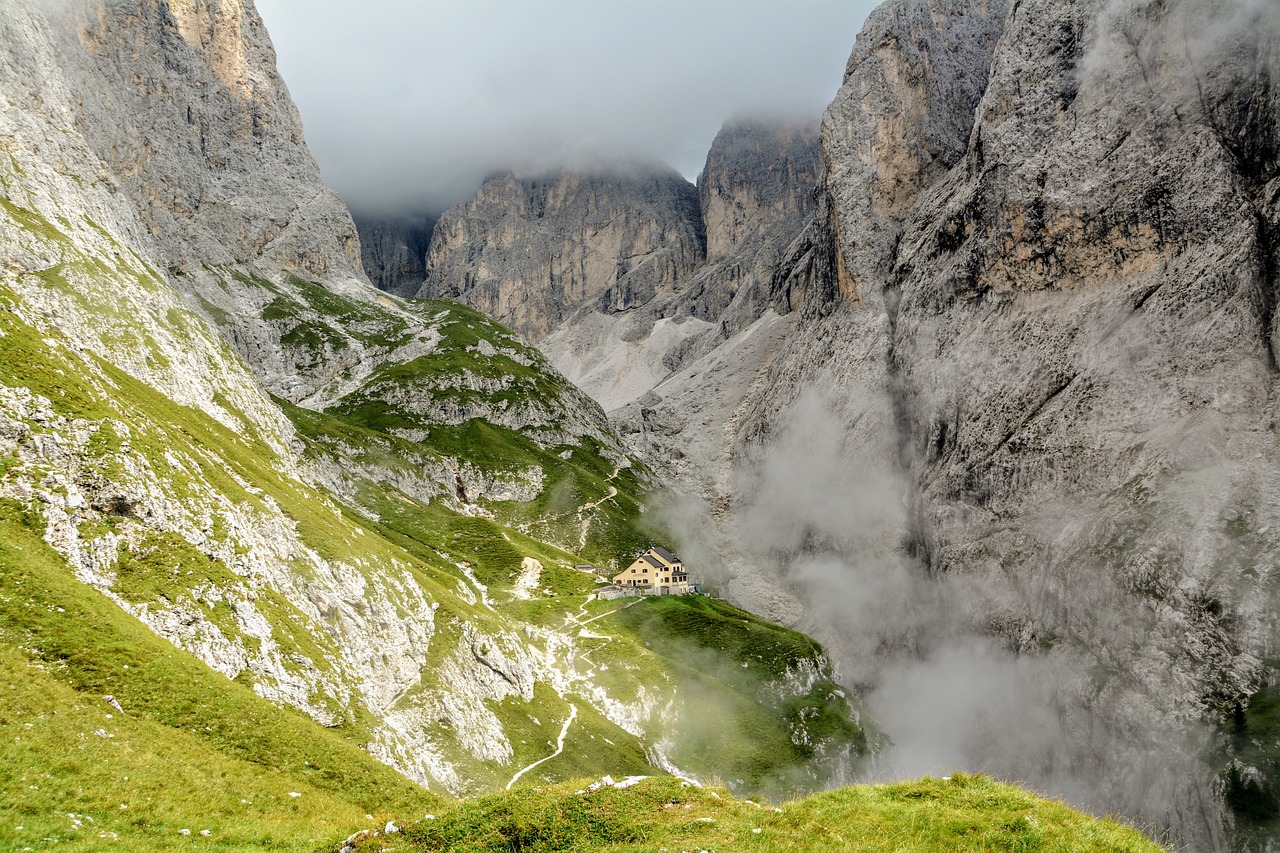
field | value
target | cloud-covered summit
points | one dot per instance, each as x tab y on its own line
408	106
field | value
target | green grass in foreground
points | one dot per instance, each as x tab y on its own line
962	813
191	749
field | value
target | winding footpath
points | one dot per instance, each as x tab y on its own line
573	713
575	619
585	512
480	588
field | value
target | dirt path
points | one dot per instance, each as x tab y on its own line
582	612
604	614
586	656
564	730
584	514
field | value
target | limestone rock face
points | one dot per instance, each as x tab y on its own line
1044	346
79	245
194	136
393	250
198	129
759	176
755	194
901	120
531	251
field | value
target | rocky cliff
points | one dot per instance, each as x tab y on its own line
755	194
1039	334
531	251
198	130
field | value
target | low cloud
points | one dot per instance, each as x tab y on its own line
820	544
408	106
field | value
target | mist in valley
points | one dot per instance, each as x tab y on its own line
821	540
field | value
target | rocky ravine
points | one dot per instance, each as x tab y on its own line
393	250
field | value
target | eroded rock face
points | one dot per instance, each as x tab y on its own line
901	121
531	251
756	192
1045	341
759	177
79	243
199	130
175	115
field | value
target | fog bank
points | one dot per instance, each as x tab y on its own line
408	106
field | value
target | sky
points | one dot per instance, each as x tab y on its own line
408	104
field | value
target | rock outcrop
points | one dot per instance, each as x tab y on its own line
755	194
196	127
530	251
86	235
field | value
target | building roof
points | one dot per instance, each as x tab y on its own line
651	561
665	554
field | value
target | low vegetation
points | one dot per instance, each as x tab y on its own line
958	813
111	734
456	389
793	736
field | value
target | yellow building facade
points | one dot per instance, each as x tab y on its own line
655	572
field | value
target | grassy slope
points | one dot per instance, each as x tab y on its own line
190	750
458	374
762	742
962	813
430	539
779	741
210	459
